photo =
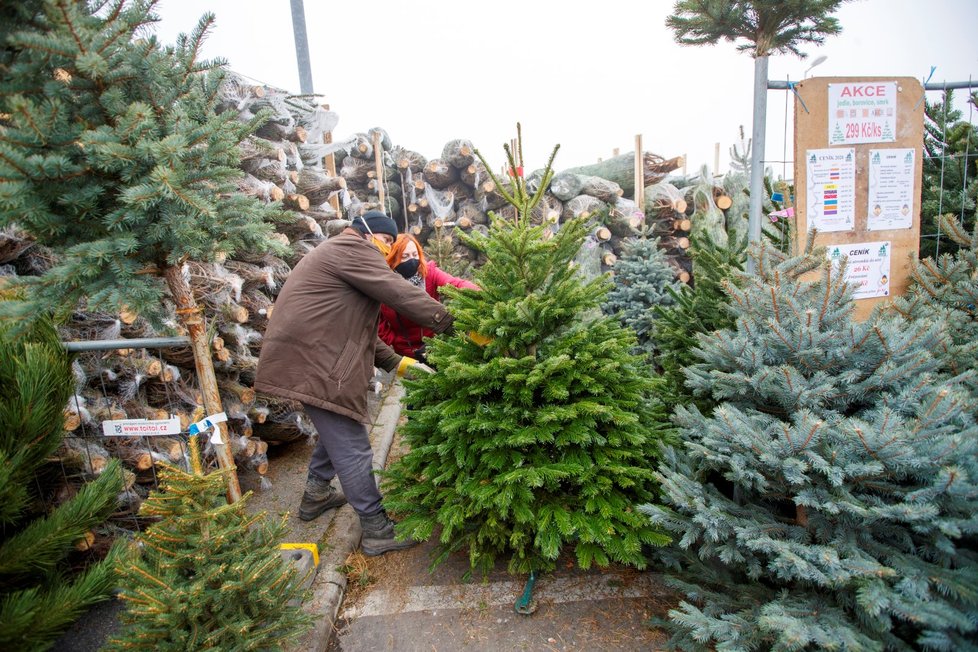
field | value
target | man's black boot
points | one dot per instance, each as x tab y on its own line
378	535
319	497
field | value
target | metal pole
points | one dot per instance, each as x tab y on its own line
757	155
139	343
301	47
784	85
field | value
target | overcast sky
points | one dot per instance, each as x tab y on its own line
589	76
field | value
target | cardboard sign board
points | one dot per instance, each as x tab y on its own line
880	121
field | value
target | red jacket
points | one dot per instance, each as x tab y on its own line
402	334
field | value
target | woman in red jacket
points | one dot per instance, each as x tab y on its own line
407	259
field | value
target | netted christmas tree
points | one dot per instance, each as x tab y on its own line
827	500
40	595
642	279
207	575
540	439
699	308
946	289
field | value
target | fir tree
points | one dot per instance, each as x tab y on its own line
950	174
824	502
699	308
538	439
39	596
207	575
946	290
642	279
111	153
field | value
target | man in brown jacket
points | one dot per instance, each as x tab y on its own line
320	349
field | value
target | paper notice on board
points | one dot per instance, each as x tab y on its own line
862	112
831	189
868	267
891	191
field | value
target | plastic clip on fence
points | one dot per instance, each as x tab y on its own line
526	605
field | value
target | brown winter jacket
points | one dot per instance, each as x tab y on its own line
321	343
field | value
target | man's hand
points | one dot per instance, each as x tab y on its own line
412	366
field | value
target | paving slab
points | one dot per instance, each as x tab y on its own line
398	602
407	607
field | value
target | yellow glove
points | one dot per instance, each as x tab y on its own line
480	340
407	363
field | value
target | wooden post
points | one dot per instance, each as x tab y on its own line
192	316
330	162
716	159
614	152
379	168
640	178
684	164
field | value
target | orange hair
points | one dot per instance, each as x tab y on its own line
397	250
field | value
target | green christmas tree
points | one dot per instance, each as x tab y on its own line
827	500
700	308
39	595
643	278
950	174
537	440
946	290
207	575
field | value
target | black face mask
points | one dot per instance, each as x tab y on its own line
408	268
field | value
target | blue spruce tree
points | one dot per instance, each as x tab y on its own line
946	289
826	500
643	280
536	440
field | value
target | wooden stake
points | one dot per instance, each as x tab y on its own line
640	178
330	162
379	167
192	317
716	159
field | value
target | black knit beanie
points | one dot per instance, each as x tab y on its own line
378	223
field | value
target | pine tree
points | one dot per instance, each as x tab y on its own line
946	290
950	174
825	503
642	281
207	575
700	308
39	596
538	440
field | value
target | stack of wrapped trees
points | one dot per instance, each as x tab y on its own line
676	210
